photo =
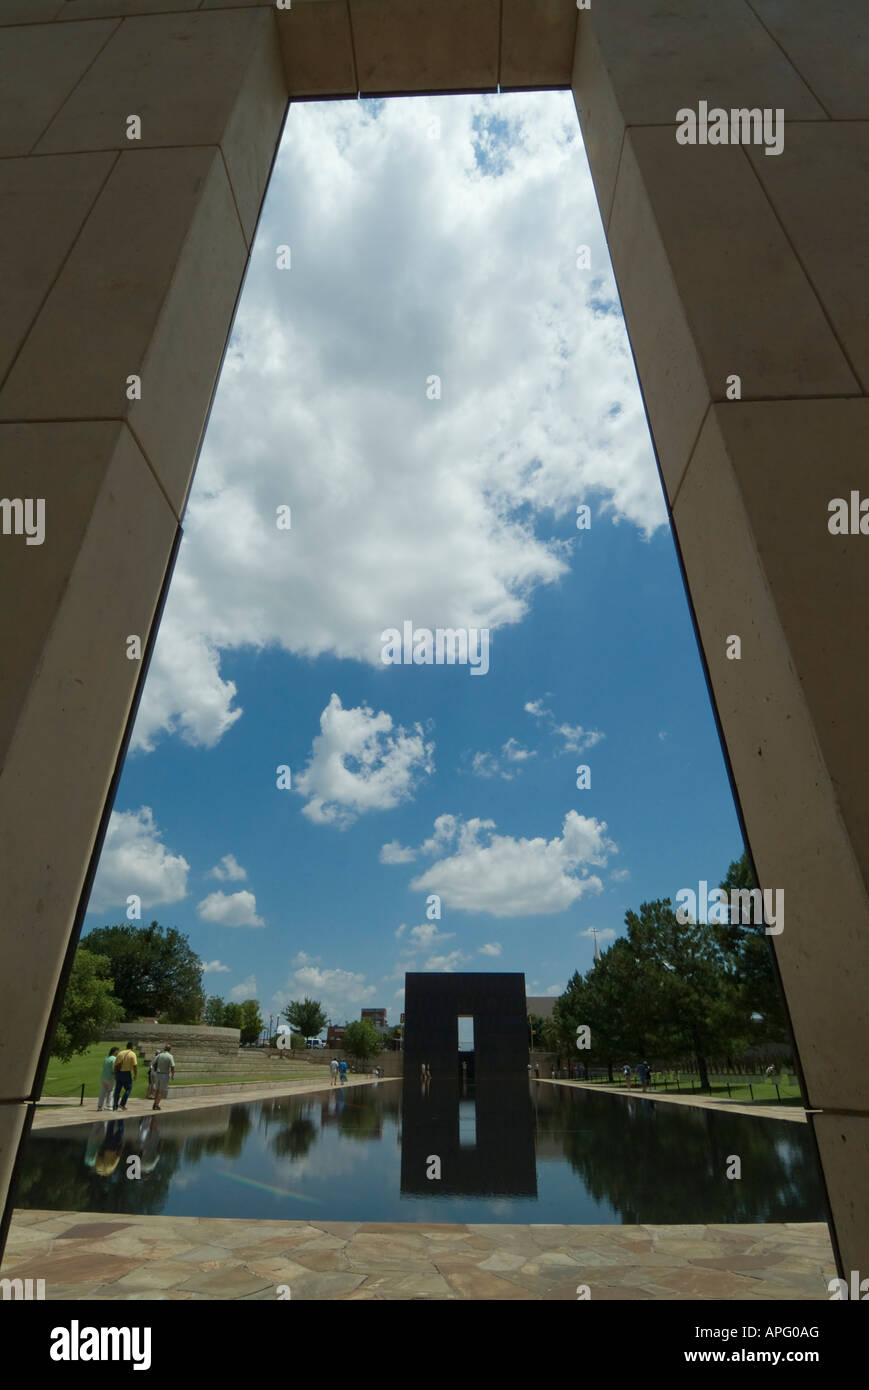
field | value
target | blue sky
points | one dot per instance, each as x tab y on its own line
428	237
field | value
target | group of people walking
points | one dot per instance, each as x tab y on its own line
338	1069
642	1071
120	1069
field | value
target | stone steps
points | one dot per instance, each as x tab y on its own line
248	1063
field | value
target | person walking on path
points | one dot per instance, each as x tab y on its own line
126	1071
164	1066
333	1067
152	1077
343	1070
107	1080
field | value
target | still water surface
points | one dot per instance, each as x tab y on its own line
512	1153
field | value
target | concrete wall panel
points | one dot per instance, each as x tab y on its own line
415	46
317	46
829	45
537	43
41	66
109	534
180	73
751	507
45	203
825	165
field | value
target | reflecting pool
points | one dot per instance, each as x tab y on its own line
506	1152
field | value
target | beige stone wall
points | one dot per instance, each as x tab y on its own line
732	261
121	257
390	1063
180	1038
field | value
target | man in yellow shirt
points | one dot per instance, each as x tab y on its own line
126	1071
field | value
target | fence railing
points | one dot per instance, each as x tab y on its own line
686	1081
76	1089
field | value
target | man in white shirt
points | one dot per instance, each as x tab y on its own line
164	1064
333	1067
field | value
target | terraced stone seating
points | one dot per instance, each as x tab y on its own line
245	1062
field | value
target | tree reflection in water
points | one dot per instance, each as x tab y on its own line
595	1158
658	1164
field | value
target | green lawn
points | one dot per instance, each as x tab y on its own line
762	1092
65	1078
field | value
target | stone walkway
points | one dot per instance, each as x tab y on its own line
734	1107
53	1114
83	1256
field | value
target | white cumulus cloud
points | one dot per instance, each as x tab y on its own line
215	967
230	909
491	948
489	765
427	935
359	764
135	860
574	738
443	512
245	990
339	991
394	853
446	963
228	869
510	877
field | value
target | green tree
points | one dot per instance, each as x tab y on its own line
213	1013
615	1001
252	1024
154	970
748	951
89	1006
361	1039
306	1015
233	1016
691	1001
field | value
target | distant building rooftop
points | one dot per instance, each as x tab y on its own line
540	1004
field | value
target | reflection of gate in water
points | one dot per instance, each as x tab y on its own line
466	1067
483	1135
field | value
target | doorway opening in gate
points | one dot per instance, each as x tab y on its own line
466	1051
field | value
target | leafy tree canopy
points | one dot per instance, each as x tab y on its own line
154	970
306	1015
213	1012
252	1023
361	1039
89	1006
673	989
233	1016
748	951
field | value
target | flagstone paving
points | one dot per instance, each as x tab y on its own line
85	1256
